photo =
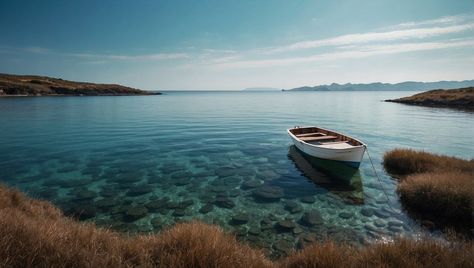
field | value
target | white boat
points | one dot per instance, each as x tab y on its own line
327	144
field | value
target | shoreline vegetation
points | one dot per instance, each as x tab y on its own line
34	233
436	189
461	98
31	85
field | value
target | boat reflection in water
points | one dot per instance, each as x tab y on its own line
340	179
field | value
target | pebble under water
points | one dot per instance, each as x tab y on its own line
142	164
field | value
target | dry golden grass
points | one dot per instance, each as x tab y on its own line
450	194
401	253
35	234
402	162
435	187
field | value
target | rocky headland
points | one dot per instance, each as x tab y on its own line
461	98
30	85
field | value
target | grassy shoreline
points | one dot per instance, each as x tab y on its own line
35	234
435	188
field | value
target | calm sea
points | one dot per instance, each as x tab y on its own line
142	163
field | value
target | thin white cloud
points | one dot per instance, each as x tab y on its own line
447	20
416	33
108	57
145	57
38	50
360	52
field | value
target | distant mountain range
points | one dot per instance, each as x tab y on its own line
408	86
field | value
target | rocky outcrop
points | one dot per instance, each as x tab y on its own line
29	85
462	98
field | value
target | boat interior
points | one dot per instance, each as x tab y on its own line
321	136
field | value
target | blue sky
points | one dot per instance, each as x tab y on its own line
238	44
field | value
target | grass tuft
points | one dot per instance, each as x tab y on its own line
434	187
446	194
401	162
400	253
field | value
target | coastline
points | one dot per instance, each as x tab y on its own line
79	95
460	99
32	85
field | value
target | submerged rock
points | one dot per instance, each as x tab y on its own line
186	203
265	224
172	205
395	223
179	212
345	215
269	193
293	207
395	229
134	213
381	213
285	225
308	199
283	246
86	194
254	231
206	208
251	184
368	212
297	231
240	218
155	205
224	202
156	223
379	223
140	190
312	218
106	203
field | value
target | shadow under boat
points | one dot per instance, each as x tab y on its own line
340	179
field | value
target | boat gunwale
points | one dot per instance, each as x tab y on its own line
319	147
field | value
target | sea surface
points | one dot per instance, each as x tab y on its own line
140	164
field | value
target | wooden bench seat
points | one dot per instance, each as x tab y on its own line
334	142
310	134
321	138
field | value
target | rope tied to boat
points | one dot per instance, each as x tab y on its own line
378	178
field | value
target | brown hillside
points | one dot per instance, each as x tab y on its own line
462	98
30	85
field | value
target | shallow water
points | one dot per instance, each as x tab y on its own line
140	164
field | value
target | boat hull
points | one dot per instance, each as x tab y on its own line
350	156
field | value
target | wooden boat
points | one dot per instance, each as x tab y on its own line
328	144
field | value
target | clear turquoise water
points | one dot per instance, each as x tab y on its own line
139	164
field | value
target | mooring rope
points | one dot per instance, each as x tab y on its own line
378	178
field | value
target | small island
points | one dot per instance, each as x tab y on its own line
31	85
461	98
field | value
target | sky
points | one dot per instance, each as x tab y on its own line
224	45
